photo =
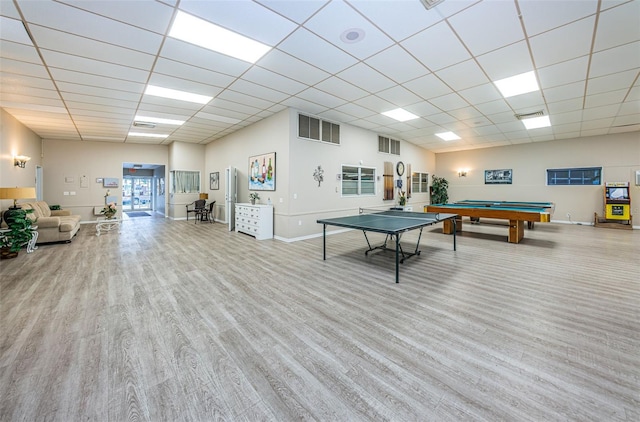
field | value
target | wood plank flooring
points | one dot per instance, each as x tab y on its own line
172	321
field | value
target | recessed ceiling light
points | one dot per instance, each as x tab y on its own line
400	115
352	35
159	120
213	37
174	94
147	135
536	122
448	136
516	85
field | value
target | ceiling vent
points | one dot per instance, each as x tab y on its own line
144	124
529	115
428	4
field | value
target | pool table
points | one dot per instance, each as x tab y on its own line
517	213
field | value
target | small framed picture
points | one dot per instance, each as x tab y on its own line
498	177
110	182
214	181
99	180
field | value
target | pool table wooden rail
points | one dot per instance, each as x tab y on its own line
517	217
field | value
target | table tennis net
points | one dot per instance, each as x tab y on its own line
400	214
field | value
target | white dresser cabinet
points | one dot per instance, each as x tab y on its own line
256	220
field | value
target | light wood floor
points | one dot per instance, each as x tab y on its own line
172	321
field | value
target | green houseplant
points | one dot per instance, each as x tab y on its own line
253	197
19	234
438	190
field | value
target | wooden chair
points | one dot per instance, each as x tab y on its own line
198	205
206	214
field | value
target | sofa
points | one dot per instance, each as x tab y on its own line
53	225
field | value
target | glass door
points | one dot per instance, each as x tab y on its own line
137	193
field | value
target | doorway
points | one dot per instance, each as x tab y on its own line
137	193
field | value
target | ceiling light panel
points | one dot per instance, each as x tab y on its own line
213	37
148	135
448	136
519	84
159	120
400	115
536	122
174	94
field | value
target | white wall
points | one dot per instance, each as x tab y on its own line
618	155
185	157
16	139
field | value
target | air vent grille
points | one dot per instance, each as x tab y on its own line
144	124
428	4
529	115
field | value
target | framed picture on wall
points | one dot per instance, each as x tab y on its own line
109	182
214	180
498	177
262	172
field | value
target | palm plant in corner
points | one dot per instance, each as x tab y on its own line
19	234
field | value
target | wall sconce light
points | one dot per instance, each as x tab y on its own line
462	173
20	160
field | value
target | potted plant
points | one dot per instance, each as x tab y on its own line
109	210
253	197
17	235
438	190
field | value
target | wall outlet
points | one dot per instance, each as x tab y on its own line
299	222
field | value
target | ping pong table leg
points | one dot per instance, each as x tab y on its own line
324	242
454	233
397	258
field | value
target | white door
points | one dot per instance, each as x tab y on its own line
230	196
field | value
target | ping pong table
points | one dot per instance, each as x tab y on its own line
391	223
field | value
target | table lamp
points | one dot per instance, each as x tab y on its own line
15	194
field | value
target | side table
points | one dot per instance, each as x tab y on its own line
106	225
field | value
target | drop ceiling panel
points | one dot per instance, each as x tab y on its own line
200	57
428	86
13	30
259	91
337	17
75	21
366	78
85	79
91	49
567	42
24	68
462	75
617	26
508	61
297	11
480	94
563	73
314	50
501	17
285	64
18	52
322	98
387	62
94	67
150	15
399	96
343	89
616	59
448	50
541	16
243	17
273	80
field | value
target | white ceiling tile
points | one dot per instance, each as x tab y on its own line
320	97
54	59
481	94
18	52
366	78
273	80
508	61
375	103
399	96
605	98
304	105
354	110
13	30
314	50
622	80
342	89
243	17
436	47
615	60
82	79
591	113
150	15
574	104
462	75
284	64
449	102
567	42
501	17
422	108
259	91
428	86
387	61
563	73
564	92
297	11
493	107
526	103
540	16
337	17
617	26
75	21
196	74
241	102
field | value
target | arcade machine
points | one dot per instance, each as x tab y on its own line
617	204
